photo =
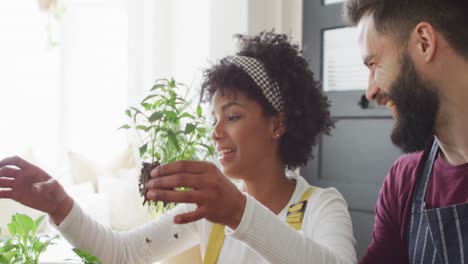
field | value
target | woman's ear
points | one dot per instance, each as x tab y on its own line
279	125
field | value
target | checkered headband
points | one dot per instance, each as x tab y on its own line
255	69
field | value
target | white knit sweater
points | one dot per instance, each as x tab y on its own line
261	237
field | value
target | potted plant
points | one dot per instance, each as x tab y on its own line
24	246
169	129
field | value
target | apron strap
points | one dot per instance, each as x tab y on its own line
418	205
297	210
217	235
215	243
423	179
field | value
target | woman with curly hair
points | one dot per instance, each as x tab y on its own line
268	113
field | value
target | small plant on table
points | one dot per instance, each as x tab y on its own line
25	246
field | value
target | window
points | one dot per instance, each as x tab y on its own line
29	86
342	65
95	80
72	97
328	2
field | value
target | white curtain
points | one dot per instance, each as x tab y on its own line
94	78
29	83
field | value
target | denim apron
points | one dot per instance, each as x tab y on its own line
438	235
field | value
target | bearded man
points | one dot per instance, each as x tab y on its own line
417	55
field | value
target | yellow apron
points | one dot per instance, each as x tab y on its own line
217	235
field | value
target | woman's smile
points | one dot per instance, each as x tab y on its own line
226	155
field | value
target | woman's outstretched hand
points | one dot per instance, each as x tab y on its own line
30	185
217	198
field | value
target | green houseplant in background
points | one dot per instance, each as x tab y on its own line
24	246
169	128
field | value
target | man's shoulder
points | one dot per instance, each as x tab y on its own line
408	162
403	173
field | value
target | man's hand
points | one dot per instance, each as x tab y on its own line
217	198
31	186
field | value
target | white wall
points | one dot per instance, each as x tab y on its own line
229	17
285	16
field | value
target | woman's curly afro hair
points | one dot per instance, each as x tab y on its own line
307	113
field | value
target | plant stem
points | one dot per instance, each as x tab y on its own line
153	142
188	143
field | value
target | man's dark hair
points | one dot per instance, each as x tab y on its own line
307	113
399	17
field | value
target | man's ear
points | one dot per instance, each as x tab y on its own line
424	37
279	125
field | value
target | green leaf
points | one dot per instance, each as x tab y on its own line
144	128
172	83
202	130
128	113
86	257
125	127
37	222
189	128
174	106
157	103
7	256
12	227
147	106
148	97
42	246
173	95
199	111
171	114
143	149
24	226
155	116
36	246
161	80
185	114
173	139
136	110
157	86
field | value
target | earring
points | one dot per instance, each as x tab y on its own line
277	135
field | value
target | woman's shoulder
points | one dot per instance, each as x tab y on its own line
321	198
317	192
327	194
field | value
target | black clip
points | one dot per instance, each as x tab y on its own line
292	210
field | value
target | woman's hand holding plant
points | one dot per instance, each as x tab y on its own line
217	198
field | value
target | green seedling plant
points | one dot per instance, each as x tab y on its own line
169	129
24	246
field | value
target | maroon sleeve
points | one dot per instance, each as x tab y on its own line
388	244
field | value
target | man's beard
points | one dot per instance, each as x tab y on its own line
417	104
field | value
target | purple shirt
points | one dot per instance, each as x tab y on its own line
448	185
